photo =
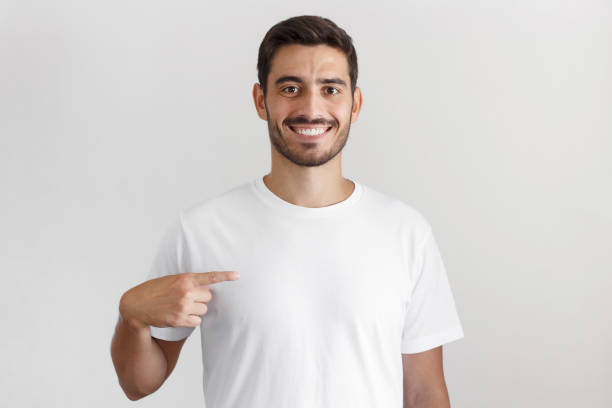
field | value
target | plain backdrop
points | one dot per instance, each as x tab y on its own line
492	118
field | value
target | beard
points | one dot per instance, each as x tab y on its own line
303	153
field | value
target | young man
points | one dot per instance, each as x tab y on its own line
342	299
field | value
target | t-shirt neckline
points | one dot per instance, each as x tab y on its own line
286	207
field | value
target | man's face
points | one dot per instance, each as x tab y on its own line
308	91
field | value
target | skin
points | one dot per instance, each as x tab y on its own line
424	384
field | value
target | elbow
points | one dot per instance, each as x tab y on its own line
133	396
132	393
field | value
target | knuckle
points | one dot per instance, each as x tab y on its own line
187	278
183	287
207	295
184	294
175	320
184	277
183	306
213	276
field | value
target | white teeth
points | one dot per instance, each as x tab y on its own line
310	132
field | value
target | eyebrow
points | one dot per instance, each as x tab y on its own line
293	78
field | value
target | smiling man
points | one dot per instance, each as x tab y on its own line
342	300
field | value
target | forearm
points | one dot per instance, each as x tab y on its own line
140	363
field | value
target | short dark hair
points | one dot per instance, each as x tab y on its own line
305	30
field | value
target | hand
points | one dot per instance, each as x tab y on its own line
171	301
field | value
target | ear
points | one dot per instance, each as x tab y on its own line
258	99
357	102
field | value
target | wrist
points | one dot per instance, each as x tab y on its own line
132	323
128	319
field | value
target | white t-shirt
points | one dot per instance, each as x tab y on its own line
327	301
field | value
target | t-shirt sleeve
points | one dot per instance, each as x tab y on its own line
431	317
172	257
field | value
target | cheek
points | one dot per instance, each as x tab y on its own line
343	117
278	114
341	110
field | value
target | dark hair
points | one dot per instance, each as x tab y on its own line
305	30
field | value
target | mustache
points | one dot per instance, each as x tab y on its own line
300	120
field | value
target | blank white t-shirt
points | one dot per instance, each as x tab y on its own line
328	299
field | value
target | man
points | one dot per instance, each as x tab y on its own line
336	279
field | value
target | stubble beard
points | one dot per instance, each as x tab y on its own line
306	154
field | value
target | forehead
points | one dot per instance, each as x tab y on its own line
306	60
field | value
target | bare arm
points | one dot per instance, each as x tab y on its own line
142	362
424	384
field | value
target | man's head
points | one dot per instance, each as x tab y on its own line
307	71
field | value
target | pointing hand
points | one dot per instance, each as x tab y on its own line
171	301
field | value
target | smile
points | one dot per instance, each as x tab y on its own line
310	133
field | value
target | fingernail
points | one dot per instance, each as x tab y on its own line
236	275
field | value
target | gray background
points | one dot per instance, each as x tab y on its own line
491	118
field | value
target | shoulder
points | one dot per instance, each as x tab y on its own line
398	211
228	201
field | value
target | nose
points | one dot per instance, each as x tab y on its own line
312	105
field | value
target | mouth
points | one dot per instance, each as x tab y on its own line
310	133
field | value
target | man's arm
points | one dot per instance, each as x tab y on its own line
424	385
142	362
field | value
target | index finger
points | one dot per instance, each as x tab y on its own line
205	278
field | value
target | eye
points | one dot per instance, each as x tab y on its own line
290	87
333	89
